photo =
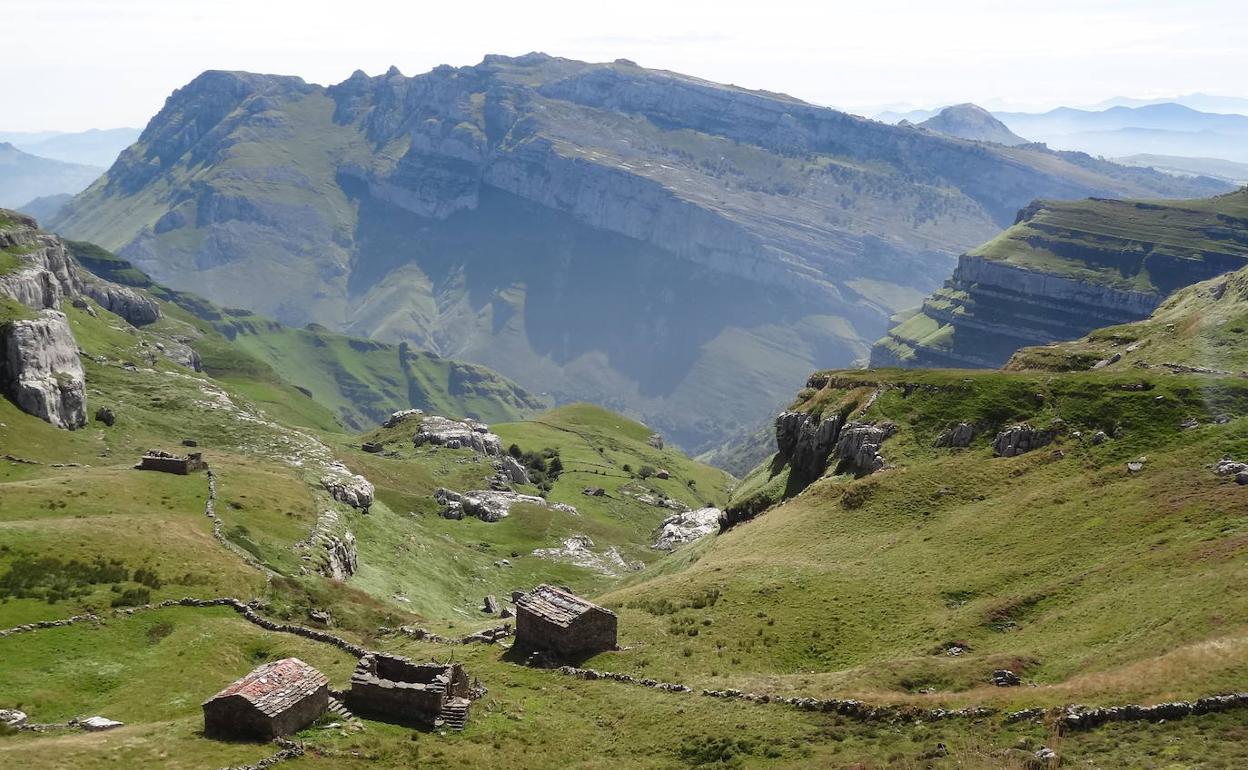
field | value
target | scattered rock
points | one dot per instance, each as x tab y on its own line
488	504
1003	677
320	616
372	447
505	612
1135	466
1099	437
1189	423
686	527
189	442
578	550
1045	754
106	416
490	605
655	440
1228	467
593	491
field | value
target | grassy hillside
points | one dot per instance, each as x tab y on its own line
359	381
1093	582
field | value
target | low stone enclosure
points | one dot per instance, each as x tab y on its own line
166	462
395	689
275	699
552	620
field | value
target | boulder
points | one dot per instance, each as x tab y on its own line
372	447
106	416
1020	439
655	440
342	558
12	717
1003	677
593	491
686	527
40	369
490	605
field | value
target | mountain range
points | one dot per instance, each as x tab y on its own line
24	177
638	238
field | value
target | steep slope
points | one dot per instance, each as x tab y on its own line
555	220
24	177
970	121
1064	269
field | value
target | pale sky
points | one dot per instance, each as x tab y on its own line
77	64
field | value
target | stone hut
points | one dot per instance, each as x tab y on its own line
395	689
556	621
165	462
276	699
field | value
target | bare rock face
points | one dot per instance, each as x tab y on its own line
138	309
958	436
454	434
401	415
346	487
341	557
1019	439
807	442
40	370
686	527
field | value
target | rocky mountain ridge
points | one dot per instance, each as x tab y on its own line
482	213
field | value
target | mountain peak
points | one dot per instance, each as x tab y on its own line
970	121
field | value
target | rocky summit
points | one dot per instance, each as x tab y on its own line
602	232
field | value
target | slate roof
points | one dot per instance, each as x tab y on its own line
275	687
556	606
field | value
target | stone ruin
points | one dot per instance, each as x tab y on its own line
551	620
273	700
395	689
167	462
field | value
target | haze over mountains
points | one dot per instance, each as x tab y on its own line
679	249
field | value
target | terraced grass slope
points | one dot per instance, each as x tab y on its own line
1064	269
551	219
1199	328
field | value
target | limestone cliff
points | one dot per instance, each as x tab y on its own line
1065	269
40	369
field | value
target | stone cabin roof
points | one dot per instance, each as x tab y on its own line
275	687
555	606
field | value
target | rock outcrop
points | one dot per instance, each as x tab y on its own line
959	436
40	369
347	487
456	434
686	527
512	469
1020	439
810	443
858	446
488	504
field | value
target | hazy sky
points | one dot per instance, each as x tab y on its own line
76	64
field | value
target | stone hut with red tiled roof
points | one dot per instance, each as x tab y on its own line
556	621
276	699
